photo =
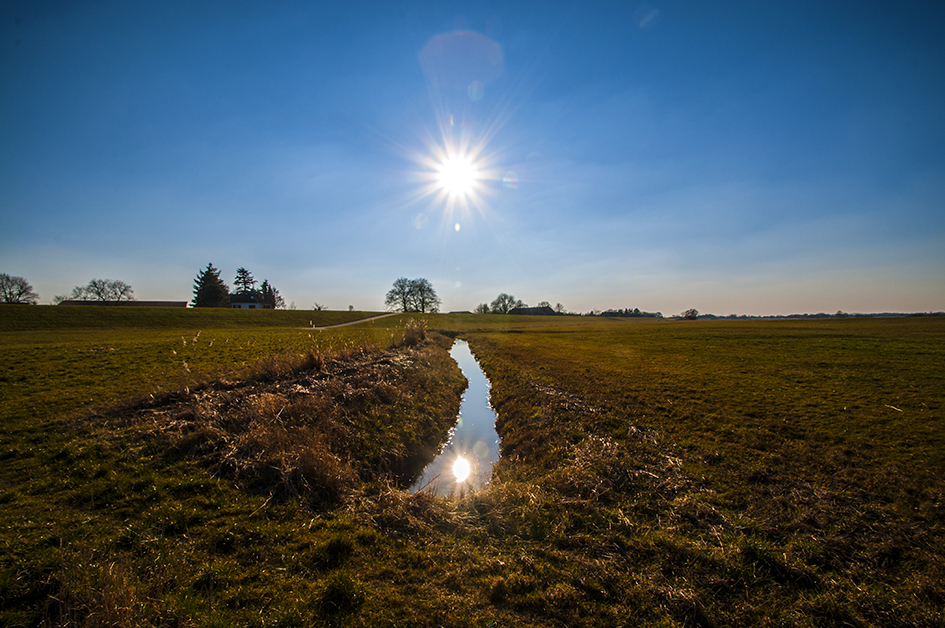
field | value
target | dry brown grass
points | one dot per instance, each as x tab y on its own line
316	426
96	590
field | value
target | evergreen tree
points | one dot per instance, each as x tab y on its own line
210	290
270	296
244	282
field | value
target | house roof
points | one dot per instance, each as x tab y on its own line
544	310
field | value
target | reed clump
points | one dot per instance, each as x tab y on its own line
414	333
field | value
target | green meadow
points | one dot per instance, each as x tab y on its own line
220	468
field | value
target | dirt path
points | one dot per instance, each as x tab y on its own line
357	322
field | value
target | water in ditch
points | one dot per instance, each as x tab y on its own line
465	462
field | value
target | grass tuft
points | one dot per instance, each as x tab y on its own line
341	593
415	332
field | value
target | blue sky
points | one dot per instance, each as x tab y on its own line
735	157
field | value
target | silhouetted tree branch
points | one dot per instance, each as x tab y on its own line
104	290
412	295
16	290
505	302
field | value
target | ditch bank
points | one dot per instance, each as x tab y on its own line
318	427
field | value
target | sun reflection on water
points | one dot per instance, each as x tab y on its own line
461	469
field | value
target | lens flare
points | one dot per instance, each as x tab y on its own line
475	91
461	469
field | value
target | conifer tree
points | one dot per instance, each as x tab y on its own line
271	296
210	290
244	283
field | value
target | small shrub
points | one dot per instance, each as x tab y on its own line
314	360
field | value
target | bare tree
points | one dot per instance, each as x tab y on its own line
110	290
398	297
105	290
16	290
423	296
504	303
482	308
559	308
412	295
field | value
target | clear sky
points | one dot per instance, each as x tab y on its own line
736	157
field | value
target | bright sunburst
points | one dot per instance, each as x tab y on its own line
456	178
457	175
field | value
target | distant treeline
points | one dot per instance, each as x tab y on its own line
627	313
712	317
694	315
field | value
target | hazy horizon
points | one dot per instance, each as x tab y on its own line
739	157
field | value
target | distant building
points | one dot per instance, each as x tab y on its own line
247	302
128	303
544	310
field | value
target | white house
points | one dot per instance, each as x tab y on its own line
247	302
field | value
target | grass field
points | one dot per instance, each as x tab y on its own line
653	472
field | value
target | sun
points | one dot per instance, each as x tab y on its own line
457	175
